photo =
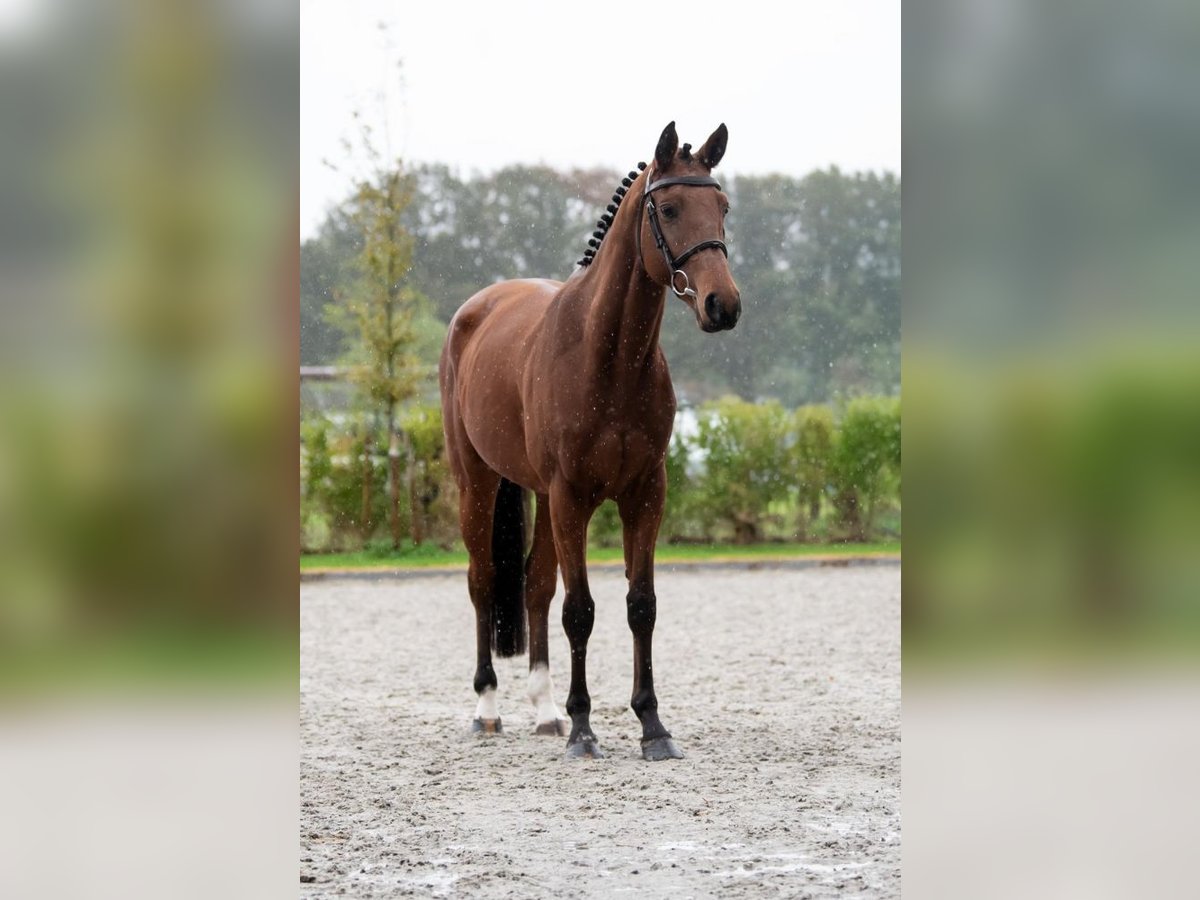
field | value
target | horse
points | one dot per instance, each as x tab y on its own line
560	389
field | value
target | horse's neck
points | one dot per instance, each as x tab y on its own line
623	321
625	307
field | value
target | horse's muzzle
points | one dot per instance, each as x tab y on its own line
721	316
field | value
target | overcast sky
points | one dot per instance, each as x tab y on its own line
483	85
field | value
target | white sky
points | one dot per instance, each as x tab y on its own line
485	84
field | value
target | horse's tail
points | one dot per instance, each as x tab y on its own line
508	555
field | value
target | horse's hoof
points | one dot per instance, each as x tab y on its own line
585	748
558	728
487	726
659	748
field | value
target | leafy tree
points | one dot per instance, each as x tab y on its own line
327	266
519	222
378	310
849	272
817	260
818	264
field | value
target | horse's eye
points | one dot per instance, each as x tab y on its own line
670	212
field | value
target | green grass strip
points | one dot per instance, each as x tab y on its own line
433	557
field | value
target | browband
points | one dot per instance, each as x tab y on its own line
702	180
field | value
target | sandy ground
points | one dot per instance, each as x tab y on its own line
781	686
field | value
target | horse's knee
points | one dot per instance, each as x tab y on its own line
579	614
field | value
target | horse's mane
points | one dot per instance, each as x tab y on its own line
606	220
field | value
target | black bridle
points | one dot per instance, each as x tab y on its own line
675	263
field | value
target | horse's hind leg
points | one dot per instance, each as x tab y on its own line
477	499
541	575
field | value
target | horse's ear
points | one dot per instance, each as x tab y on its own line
668	143
714	148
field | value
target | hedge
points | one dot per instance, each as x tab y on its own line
746	473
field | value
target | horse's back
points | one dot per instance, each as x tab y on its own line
487	345
501	313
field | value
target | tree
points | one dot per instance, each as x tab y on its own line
817	260
379	308
847	265
519	222
818	264
327	265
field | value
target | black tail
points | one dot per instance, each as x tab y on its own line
508	554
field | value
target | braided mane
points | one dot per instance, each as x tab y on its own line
606	220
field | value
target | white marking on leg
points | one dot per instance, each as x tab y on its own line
541	694
487	710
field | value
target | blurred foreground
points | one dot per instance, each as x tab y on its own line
1079	788
1055	505
1051	623
147	607
186	797
145	385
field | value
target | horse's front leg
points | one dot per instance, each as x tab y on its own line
569	515
641	513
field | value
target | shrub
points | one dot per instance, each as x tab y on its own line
865	462
679	517
813	432
746	464
751	472
315	470
343	486
433	504
604	530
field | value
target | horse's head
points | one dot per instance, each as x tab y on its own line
683	229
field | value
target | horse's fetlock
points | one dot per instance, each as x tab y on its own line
485	677
643	702
579	706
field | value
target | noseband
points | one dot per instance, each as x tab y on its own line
675	263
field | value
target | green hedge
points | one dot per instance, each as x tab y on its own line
864	465
756	472
1056	502
747	473
341	510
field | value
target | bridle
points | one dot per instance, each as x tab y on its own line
675	263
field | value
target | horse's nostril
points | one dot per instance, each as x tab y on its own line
713	308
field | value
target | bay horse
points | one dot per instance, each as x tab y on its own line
561	389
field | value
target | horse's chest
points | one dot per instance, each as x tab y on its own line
612	457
